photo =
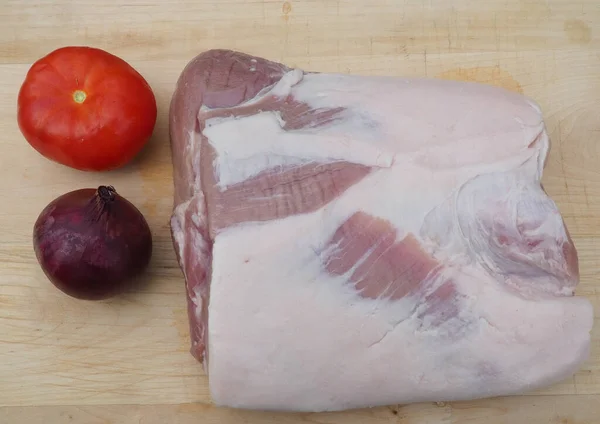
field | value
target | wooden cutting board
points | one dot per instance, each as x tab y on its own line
127	360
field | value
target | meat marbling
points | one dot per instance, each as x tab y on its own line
353	241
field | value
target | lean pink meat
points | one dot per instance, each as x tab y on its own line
353	241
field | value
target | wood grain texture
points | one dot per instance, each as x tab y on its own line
575	409
126	360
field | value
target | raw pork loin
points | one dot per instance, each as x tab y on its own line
352	241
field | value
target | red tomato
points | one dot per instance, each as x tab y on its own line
86	108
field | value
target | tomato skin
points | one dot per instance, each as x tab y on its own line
106	129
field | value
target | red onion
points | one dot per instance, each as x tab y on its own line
92	243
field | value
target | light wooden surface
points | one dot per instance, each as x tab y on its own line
127	360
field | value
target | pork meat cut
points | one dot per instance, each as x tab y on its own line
352	241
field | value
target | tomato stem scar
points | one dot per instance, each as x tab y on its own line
79	96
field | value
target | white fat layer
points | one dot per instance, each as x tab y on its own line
287	81
409	121
247	146
276	298
270	293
